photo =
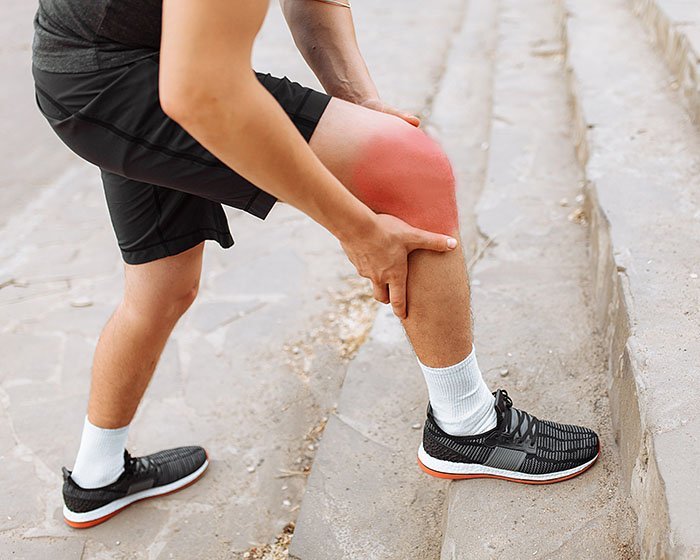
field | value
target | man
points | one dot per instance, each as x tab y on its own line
162	97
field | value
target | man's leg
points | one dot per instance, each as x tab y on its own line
438	322
156	294
395	169
387	164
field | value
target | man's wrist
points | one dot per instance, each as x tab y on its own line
360	223
351	91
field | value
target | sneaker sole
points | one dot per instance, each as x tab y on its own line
459	471
100	515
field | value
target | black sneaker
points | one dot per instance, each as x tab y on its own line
521	448
143	477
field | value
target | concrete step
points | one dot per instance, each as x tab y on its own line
534	326
675	28
640	154
366	498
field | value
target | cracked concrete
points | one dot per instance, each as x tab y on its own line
534	327
674	26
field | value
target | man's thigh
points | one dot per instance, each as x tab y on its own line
152	222
164	190
342	132
390	165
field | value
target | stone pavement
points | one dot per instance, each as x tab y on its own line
674	26
641	156
24	140
584	287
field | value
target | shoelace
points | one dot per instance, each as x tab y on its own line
136	466
525	429
509	402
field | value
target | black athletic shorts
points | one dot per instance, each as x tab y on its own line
164	190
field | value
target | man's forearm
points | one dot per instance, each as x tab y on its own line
325	36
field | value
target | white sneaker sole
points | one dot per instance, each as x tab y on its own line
99	515
456	471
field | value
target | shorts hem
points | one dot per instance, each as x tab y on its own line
260	204
169	248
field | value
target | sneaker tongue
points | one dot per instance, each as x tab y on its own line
502	410
500	402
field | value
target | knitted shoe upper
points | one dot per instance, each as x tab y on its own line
140	473
520	442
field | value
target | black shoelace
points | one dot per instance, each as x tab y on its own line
138	465
525	429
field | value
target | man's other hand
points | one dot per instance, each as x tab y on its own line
378	105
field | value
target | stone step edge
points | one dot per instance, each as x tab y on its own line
611	294
678	52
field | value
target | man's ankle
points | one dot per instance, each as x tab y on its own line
461	401
100	459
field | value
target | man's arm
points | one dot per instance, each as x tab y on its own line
325	36
208	86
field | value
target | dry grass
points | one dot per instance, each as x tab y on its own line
279	550
344	327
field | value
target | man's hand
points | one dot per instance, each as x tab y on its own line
382	256
378	105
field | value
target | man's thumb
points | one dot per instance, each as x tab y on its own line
432	242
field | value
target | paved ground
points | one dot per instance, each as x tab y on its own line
255	369
532	306
641	156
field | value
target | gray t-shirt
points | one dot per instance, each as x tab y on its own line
72	36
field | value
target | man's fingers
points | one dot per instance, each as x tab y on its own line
377	105
410	119
431	241
381	292
397	294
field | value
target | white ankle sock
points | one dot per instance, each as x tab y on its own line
100	459
462	403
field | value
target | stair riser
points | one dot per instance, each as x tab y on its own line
679	54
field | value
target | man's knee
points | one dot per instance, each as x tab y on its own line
182	300
165	306
403	172
161	291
